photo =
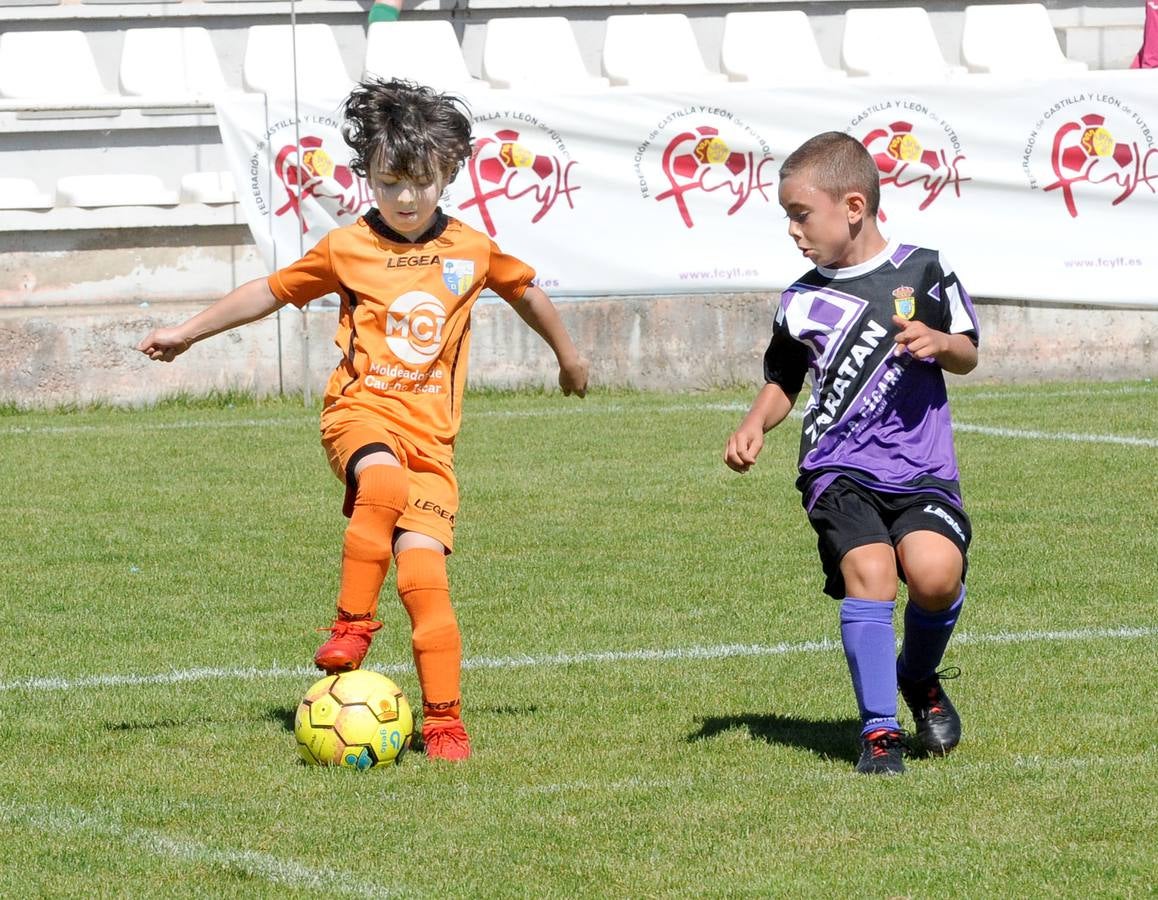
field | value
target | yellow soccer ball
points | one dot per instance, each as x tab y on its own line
359	719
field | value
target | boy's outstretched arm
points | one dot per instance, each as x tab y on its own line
769	409
536	309
246	303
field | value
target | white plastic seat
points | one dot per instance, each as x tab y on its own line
90	191
174	63
48	66
894	42
424	51
535	53
208	187
656	51
1013	39
269	62
772	47
22	193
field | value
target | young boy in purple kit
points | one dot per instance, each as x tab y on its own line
874	324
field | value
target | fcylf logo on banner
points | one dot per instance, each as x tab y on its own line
305	185
1094	146
920	153
528	171
697	154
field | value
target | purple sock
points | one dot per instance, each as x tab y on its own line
926	637
866	630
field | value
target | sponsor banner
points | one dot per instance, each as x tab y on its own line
1044	190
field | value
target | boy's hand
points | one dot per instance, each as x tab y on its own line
164	344
573	377
919	339
743	448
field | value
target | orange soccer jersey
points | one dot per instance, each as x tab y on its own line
404	325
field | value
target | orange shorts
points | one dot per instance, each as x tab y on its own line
433	489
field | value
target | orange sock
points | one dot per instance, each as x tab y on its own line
383	492
425	592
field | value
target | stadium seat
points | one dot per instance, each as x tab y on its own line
535	53
270	51
22	193
772	48
894	42
171	63
655	51
425	51
91	191
1013	39
208	187
50	67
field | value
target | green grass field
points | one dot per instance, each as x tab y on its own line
657	701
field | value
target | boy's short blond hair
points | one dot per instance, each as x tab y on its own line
409	130
837	164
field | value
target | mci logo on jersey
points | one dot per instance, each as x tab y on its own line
414	324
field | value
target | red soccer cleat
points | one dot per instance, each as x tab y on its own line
348	644
446	739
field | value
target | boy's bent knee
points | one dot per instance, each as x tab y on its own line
933	567
383	486
383	492
934	595
870	572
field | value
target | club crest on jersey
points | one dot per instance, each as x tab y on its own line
905	302
458	275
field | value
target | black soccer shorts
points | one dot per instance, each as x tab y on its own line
847	515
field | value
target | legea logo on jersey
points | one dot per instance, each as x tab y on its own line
530	170
414	324
306	171
1092	148
701	153
922	155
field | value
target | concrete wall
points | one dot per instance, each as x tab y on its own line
69	354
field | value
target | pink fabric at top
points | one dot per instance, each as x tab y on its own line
1147	57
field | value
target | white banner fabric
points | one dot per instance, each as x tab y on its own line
1038	190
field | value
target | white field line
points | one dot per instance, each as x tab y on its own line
69	821
672	654
1056	436
572	408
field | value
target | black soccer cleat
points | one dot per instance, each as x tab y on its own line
882	753
936	720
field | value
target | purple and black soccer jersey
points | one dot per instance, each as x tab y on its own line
878	418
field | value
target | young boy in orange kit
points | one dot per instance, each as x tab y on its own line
408	276
875	325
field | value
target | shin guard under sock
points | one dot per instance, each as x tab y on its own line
425	592
926	637
383	492
866	631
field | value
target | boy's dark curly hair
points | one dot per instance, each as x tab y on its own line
406	129
838	164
